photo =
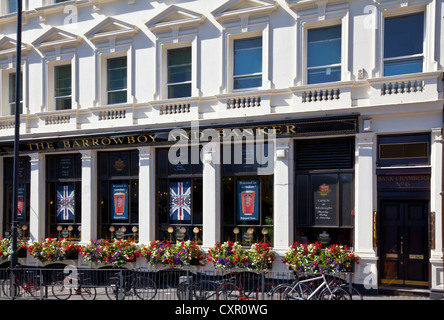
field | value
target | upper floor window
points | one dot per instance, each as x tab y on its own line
247	71
62	87
11	95
11	6
404	44
324	55
179	72
116	75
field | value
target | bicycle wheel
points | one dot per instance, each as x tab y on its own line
340	294
145	288
182	289
60	291
33	287
299	291
354	293
334	293
205	290
10	288
228	291
278	292
112	289
262	293
88	293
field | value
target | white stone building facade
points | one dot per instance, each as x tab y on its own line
351	91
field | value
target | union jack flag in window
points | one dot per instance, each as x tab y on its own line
180	200
65	203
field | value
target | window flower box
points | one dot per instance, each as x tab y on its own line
6	248
114	252
311	258
52	249
165	254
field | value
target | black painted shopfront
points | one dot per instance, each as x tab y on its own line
403	215
328	181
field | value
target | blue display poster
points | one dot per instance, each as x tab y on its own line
119	202
65	203
248	200
180	201
21	205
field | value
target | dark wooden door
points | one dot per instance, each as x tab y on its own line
404	242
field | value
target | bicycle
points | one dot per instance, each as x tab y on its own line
125	284
308	290
197	290
31	284
354	293
278	292
63	289
248	287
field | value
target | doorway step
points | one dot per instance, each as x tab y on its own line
403	291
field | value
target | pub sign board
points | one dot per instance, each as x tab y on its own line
311	127
324	191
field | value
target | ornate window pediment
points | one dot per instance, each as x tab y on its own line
9	46
174	17
56	37
175	28
234	8
111	27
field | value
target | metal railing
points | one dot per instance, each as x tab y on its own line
141	284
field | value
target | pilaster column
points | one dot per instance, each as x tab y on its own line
283	195
37	215
436	253
211	183
2	199
365	204
147	212
89	196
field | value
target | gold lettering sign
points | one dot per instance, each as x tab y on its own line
296	128
411	181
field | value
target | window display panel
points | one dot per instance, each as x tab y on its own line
247	197
324	191
23	193
179	198
64	195
118	194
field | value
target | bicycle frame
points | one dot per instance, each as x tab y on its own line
27	285
319	288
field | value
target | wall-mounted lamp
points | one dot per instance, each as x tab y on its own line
236	232
170	231
112	229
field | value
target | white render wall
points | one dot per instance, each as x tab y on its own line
285	35
208	28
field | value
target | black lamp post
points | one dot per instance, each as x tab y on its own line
18	83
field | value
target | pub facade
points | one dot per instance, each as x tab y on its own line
227	121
